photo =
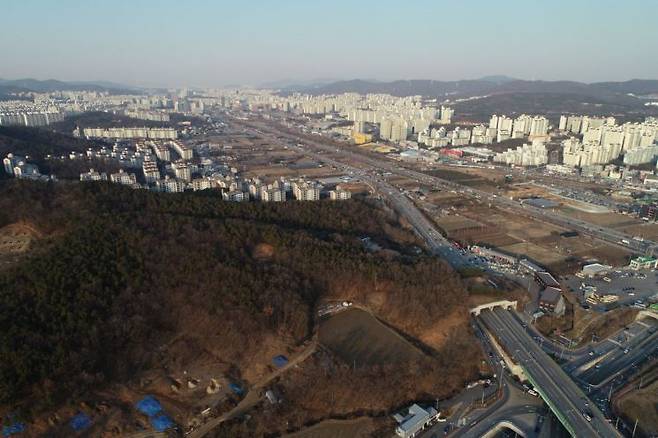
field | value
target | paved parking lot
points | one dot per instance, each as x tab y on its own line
630	286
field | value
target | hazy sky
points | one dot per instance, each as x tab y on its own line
213	43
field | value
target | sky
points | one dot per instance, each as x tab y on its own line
204	43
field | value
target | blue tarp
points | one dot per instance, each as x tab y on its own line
280	361
80	422
161	423
11	429
149	405
236	388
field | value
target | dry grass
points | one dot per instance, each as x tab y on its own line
358	337
641	405
360	427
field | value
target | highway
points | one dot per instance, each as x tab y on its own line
562	395
599	232
436	243
620	359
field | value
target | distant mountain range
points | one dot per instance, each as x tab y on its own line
618	93
43	86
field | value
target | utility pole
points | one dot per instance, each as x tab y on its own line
610	393
634	428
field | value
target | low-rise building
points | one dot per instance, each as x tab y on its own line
93	175
594	269
413	419
643	263
545	279
552	301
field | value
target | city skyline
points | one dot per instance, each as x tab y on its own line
209	45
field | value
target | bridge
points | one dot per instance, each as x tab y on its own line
505	304
577	414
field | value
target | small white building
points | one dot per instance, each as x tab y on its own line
595	269
414	419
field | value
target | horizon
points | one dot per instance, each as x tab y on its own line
203	45
285	83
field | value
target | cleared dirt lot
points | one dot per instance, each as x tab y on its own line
358	337
471	222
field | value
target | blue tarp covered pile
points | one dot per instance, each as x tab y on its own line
150	406
80	422
161	422
280	361
12	429
236	388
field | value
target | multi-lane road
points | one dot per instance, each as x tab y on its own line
579	416
608	235
620	359
436	243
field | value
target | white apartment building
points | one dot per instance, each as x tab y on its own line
182	171
11	161
151	171
604	141
535	127
446	115
128	133
183	150
122	177
306	191
641	155
201	184
339	195
169	185
272	194
93	175
534	154
162	152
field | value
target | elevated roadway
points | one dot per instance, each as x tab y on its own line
574	410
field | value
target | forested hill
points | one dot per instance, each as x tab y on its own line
120	272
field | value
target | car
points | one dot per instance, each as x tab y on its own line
587	415
591	353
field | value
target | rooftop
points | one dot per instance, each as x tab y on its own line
550	295
414	417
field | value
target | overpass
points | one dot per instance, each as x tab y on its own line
561	394
505	304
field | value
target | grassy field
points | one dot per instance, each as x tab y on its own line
360	427
358	337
